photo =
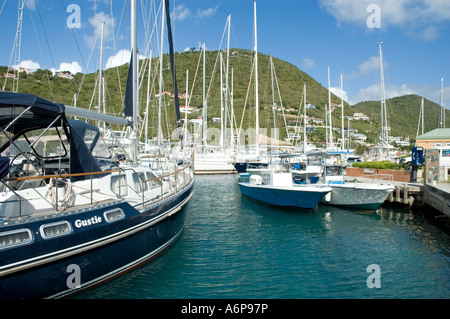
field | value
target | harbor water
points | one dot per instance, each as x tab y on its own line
233	247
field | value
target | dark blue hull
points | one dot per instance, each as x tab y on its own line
241	167
93	252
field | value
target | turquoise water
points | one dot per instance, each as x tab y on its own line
233	247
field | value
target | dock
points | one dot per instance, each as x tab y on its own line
438	196
435	195
406	193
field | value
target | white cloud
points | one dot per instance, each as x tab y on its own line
30	65
367	67
337	91
207	13
73	67
180	13
308	63
418	17
373	92
121	57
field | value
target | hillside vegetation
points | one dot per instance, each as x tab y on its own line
403	111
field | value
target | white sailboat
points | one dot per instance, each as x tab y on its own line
383	151
210	159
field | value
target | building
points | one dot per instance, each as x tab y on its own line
436	138
360	116
64	75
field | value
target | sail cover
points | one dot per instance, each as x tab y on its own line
128	101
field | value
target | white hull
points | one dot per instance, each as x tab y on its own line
358	195
213	164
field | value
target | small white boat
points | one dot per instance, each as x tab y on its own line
350	194
357	195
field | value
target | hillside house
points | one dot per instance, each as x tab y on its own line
360	116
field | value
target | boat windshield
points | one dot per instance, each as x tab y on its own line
45	144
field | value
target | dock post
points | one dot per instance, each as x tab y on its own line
405	195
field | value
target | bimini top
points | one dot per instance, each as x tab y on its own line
39	113
21	113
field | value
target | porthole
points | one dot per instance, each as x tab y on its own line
113	215
15	238
55	229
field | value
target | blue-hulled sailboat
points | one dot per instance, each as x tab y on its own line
73	214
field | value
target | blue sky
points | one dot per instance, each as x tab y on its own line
311	34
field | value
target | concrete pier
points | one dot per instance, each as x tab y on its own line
438	197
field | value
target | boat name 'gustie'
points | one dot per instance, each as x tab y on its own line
87	222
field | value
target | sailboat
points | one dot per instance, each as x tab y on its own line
209	159
253	155
72	215
383	151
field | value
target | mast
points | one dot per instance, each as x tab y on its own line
148	95
273	99
384	128
442	121
342	114
100	75
18	42
160	77
186	106
423	116
330	109
221	99
420	119
232	110
205	134
304	118
226	80
135	61
174	74
256	81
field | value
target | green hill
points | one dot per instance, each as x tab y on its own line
403	111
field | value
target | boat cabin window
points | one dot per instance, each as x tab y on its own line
153	183
119	185
55	229
100	149
137	183
51	144
113	215
15	238
142	178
